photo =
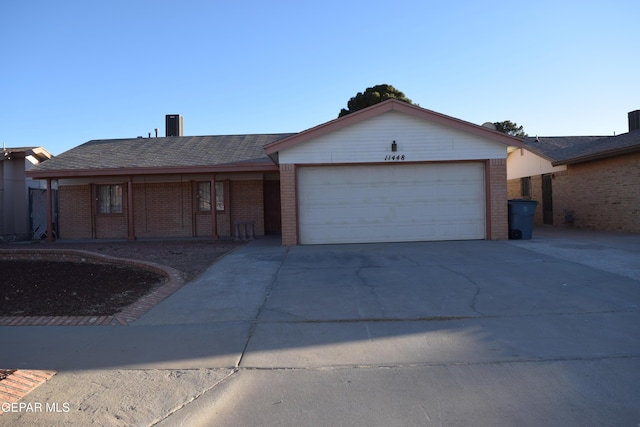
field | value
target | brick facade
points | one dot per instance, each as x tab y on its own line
498	216
74	211
161	209
604	194
247	203
289	204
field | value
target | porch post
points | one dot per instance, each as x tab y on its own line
130	221
214	220
49	211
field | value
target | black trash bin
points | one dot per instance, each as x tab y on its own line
521	218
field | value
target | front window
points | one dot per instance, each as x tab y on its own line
109	199
204	196
525	187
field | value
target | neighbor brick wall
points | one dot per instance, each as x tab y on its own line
74	211
513	189
497	179
288	204
604	194
247	203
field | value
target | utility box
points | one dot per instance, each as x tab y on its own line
521	218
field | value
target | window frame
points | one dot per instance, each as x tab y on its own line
114	206
525	187
204	196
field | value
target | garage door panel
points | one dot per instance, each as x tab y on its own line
352	204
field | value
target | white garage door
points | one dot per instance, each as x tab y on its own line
391	203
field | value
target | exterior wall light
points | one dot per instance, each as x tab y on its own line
394	146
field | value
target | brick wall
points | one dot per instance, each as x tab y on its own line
497	176
74	211
112	226
604	195
513	189
163	209
247	203
288	203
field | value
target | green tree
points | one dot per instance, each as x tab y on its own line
510	128
373	95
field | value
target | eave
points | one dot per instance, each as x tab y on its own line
38	152
597	156
179	170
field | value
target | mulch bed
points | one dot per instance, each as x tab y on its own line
54	288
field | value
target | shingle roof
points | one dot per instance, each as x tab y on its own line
574	149
182	151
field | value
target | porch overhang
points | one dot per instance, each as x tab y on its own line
179	170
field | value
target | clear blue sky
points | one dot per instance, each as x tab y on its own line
72	71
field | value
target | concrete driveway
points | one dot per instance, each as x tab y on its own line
527	333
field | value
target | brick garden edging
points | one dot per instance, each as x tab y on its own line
126	316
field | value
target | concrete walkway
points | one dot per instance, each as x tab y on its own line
538	332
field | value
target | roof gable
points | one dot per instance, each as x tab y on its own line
384	107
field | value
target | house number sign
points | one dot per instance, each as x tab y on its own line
395	157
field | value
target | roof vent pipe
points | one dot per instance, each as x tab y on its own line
634	120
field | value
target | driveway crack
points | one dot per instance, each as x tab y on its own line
265	298
372	291
476	294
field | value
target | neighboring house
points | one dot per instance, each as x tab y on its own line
17	192
391	172
585	182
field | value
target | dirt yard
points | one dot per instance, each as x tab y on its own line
70	289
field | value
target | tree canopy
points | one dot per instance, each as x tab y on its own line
510	128
373	95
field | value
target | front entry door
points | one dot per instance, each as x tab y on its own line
272	207
547	200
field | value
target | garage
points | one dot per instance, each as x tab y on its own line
391	202
393	172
